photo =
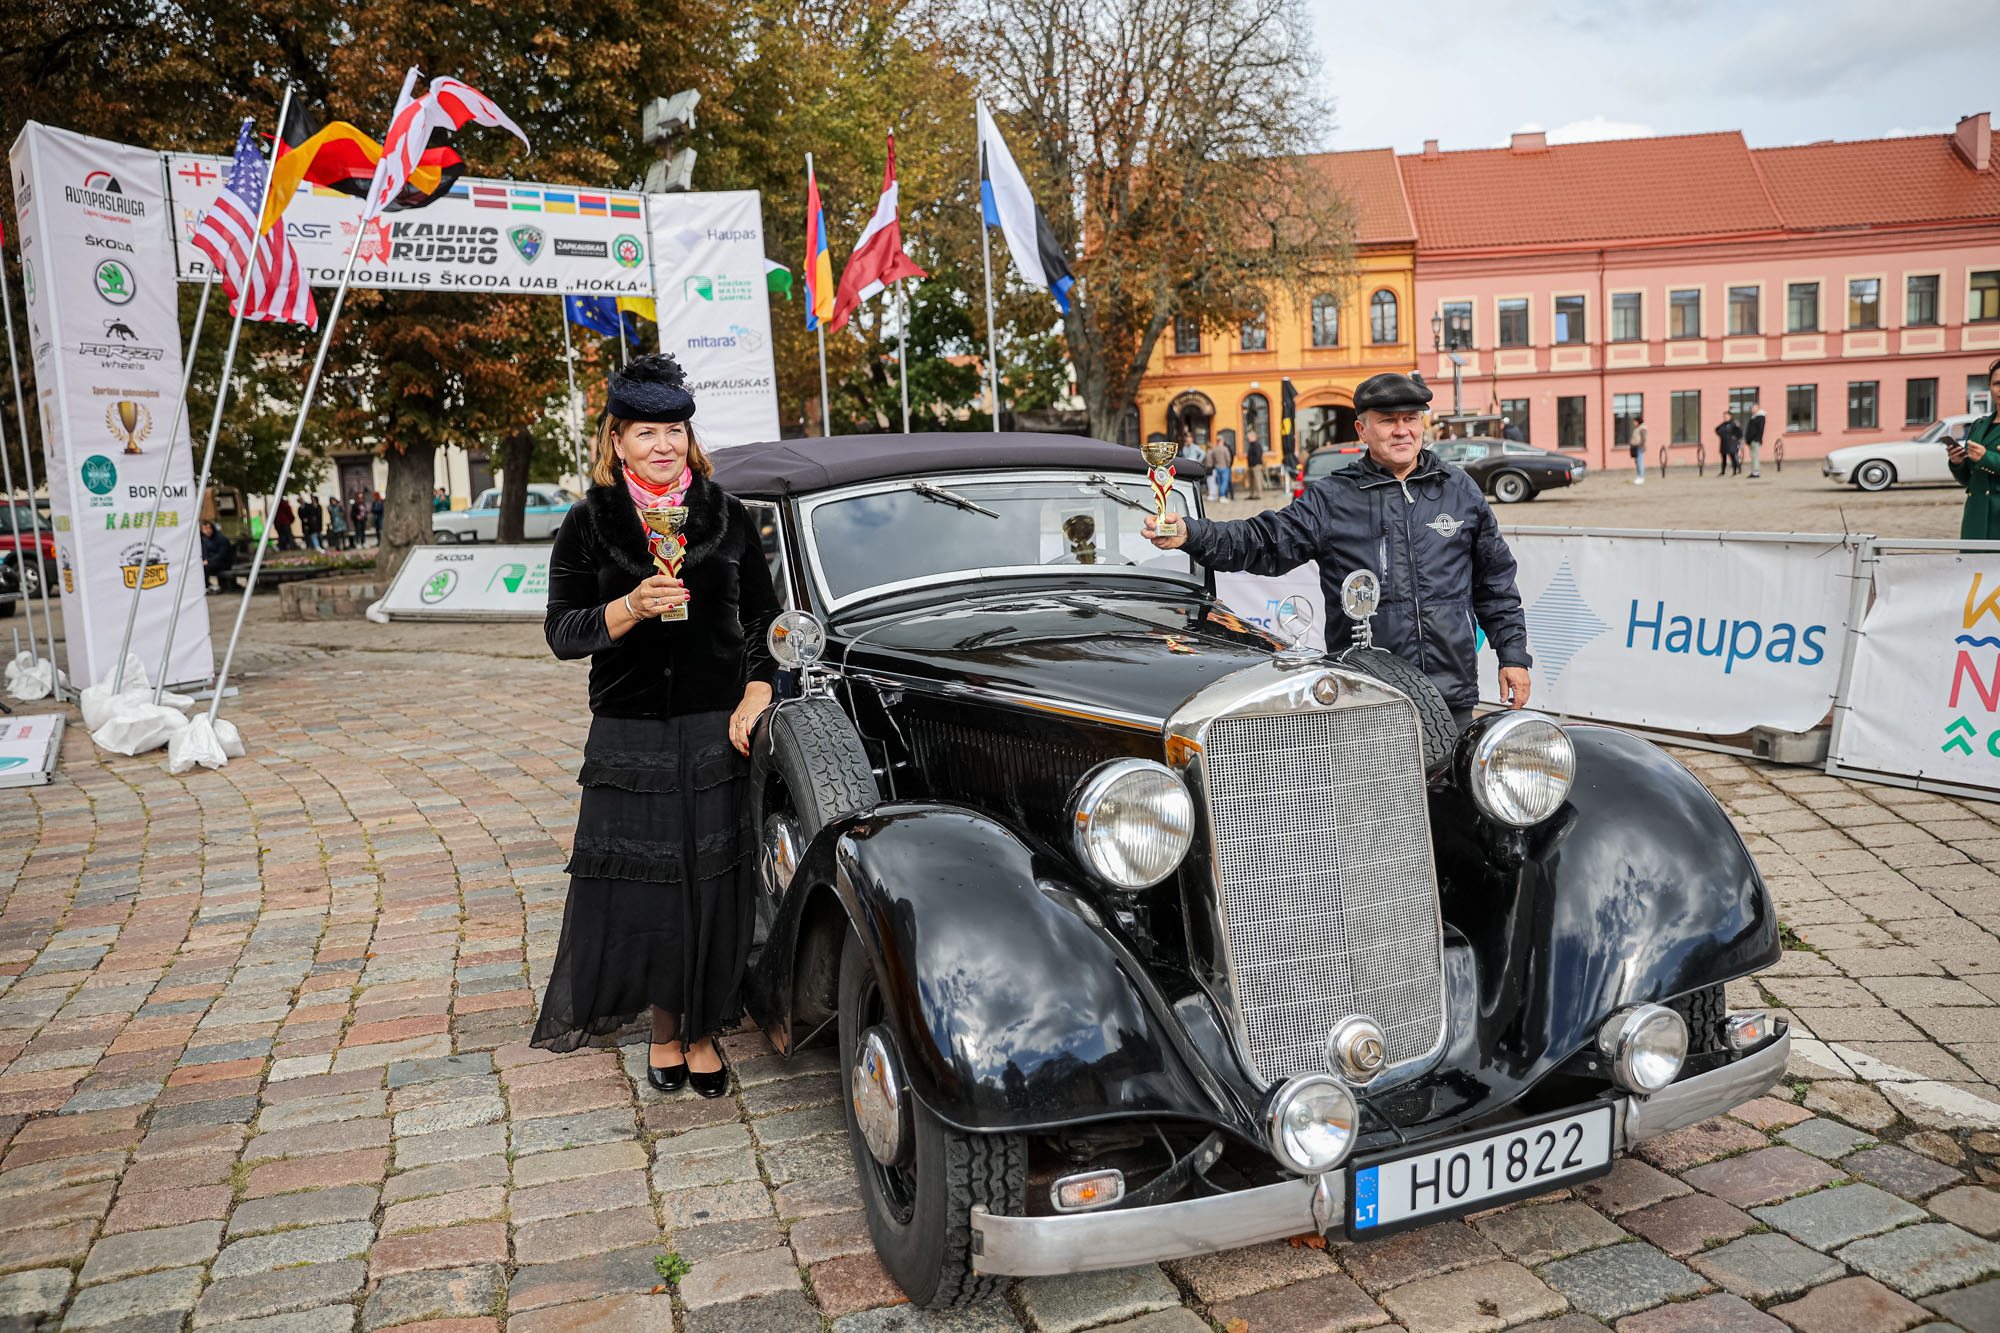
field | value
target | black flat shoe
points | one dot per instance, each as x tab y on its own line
667	1079
709	1085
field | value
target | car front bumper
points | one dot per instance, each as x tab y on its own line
1828	469
1085	1242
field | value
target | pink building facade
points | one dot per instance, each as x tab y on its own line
1853	290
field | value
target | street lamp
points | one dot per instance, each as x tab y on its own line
1437	333
661	121
1457	365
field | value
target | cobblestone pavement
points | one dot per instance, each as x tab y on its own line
265	1072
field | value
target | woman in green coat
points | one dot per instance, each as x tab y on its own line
1975	462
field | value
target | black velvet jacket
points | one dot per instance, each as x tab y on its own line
663	668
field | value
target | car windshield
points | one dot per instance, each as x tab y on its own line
885	536
1326	460
1460	451
1933	431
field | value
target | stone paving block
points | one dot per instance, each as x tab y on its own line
790	1312
1856	1103
326	1319
619	1189
366	1166
1064	1304
1826	1138
350	1203
1701	1142
455	1145
447	1247
792	1094
443	1210
46	1246
39	1291
1535	1234
832	1235
1324	1305
685	1113
1630	1184
281	1292
713	1138
713	1240
171	1292
463	1113
616	1273
988	1316
592	1233
1832	1218
311	1140
572	1131
145	1251
1692	1222
1901	1171
1766	1266
1974	1207
1477	1300
203	1168
61	1173
1621	1280
1975	1309
1710	1314
823	1158
599	1159
466	1087
56	1205
859	1282
673	1174
1922	1260
1851	1305
809	1123
445	1178
1770	1112
1425	1252
612	1314
739	1275
322	1110
451	1293
1764	1176
404	1072
307	1245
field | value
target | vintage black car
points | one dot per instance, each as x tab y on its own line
1510	471
1140	934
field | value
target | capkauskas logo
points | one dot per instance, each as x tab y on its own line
627	251
570	248
100	190
527	242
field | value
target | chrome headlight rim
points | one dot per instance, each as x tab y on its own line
1630	1036
1086	807
1487	739
796	639
1287	1096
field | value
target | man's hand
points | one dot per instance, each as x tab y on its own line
1150	531
1514	686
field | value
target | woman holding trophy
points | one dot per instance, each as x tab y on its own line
659	578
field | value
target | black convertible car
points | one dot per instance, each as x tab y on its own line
1510	471
1141	934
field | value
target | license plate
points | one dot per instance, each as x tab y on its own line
1492	1169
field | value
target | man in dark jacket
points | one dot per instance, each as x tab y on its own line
1753	435
1729	436
217	555
1420	524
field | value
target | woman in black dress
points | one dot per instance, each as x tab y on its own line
659	912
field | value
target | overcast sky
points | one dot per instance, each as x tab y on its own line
1471	72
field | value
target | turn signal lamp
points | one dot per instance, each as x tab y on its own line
1745	1030
1087	1190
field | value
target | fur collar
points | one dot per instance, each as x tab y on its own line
615	521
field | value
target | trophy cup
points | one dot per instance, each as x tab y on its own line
668	522
1159	455
127	424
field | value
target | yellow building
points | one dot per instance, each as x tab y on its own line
1200	383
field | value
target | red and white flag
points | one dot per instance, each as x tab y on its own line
262	275
447	106
878	257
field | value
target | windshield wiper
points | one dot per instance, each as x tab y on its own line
930	492
1110	492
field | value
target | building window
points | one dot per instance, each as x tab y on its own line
1256	336
1802	407
1802	307
1515	410
1514	322
1743	312
1985	297
1128	425
1572	421
1740	403
1187	335
1626	408
1627	324
1382	318
1864	303
1920	302
1326	320
1569	320
1861	413
1686	407
1257	424
1684	313
1920	400
1978	395
1457	325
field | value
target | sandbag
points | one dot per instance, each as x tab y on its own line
136	726
199	742
32	677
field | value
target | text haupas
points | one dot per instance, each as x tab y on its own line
1732	640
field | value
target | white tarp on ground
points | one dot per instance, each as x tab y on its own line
469	583
29	748
715	313
104	333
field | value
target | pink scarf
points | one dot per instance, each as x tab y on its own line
657	497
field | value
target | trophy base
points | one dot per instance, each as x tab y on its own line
1166	527
675	612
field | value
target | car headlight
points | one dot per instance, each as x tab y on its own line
1133	821
1645	1045
1312	1124
1519	767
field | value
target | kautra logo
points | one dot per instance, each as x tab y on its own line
1734	640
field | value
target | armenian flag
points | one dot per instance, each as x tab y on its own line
819	264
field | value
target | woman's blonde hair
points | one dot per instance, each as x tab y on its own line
604	453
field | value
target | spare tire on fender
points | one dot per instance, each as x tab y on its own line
808	769
1440	731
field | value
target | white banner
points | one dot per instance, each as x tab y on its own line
1256	600
1924	698
485	236
1701	633
104	332
30	747
477	583
715	316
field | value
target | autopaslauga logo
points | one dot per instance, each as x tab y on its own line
101	191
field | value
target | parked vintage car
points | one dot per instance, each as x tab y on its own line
1138	934
1915	461
1511	471
481	523
12	566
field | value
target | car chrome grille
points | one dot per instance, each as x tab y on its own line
1329	892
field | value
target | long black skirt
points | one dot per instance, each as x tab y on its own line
660	910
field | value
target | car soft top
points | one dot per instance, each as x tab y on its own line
797	467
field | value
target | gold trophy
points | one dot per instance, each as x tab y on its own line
1159	455
668	520
128	424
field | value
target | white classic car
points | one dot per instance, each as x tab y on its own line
481	523
1877	467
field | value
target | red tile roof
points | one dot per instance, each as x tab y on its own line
1876	183
1373	189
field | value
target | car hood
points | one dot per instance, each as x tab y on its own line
1133	655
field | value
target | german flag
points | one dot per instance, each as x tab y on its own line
339	157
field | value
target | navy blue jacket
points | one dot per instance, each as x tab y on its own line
1432	540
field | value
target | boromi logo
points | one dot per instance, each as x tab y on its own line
101	190
627	251
100	475
527	242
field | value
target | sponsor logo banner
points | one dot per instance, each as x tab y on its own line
484	583
707	254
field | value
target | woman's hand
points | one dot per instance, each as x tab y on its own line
657	595
1975	450
756	698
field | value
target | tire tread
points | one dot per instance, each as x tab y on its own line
1705	1010
814	739
1440	729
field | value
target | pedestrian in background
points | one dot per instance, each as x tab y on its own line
1638	441
375	512
1510	431
1753	435
357	517
311	519
1253	464
282	520
1218	470
1975	464
1729	436
440	501
336	523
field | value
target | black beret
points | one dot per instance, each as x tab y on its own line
652	388
1391	392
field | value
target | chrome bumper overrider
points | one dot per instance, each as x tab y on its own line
1084	1242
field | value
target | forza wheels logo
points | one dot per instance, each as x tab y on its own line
527	242
628	252
114	281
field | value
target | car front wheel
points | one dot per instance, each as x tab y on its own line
920	1178
1875	475
1512	488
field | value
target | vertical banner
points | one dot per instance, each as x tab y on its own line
104	333
715	315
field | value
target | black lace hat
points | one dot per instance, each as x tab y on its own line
652	388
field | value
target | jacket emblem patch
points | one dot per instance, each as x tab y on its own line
1444	525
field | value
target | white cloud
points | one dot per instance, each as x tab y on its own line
1597	129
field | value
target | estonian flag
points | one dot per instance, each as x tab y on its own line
1004	198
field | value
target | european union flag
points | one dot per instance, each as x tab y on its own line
599	314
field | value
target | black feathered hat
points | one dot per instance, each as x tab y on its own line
652	388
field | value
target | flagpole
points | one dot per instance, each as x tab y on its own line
190	551
569	404
819	325
34	515
986	259
903	353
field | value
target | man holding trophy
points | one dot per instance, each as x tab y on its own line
659	578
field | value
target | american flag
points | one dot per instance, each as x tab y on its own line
274	278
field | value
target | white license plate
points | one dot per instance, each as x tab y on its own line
1513	1164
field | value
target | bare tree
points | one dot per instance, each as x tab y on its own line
1163	138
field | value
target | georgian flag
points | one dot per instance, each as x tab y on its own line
1006	203
447	106
878	257
261	274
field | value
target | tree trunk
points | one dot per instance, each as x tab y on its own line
515	452
406	505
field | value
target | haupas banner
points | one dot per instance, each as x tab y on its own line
103	330
1924	697
715	314
1700	633
1256	599
485	236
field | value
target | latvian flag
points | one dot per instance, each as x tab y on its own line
447	106
263	276
878	257
1006	203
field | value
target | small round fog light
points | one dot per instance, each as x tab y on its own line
1313	1122
1645	1045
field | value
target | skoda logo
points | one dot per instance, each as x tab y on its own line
438	587
115	282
